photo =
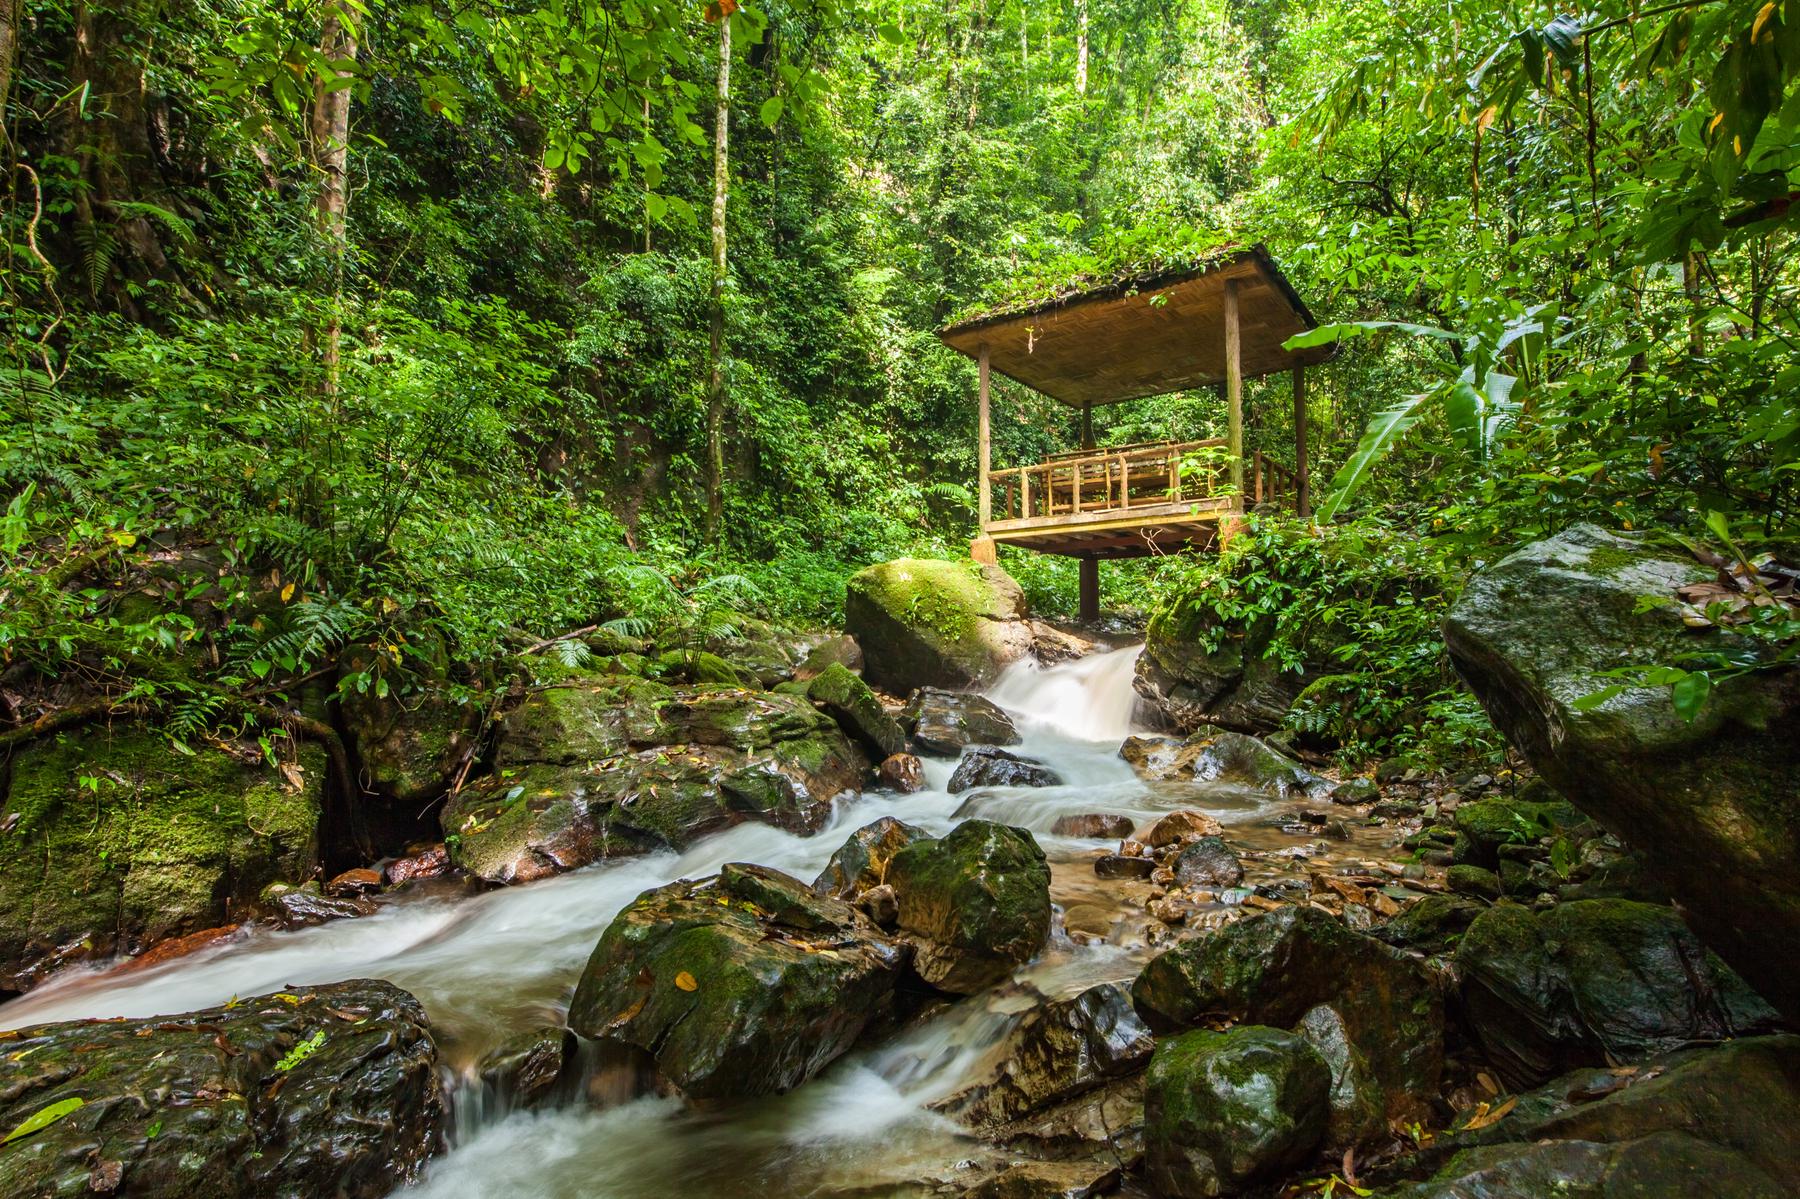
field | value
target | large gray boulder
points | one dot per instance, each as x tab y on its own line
974	904
1224	1110
310	1091
1713	803
1592	982
745	984
923	622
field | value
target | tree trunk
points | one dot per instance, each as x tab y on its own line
10	16
109	142
1081	47
715	381
331	157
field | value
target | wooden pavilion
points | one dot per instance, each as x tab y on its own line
1146	335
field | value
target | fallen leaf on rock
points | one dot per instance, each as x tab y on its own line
686	982
44	1117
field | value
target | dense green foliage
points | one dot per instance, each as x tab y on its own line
480	419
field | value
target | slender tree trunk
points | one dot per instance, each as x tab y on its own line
715	382
331	157
646	178
1081	47
10	16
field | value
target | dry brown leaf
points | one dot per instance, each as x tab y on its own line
685	982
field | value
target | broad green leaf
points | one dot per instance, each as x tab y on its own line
1345	330
44	1117
771	110
1383	431
1689	694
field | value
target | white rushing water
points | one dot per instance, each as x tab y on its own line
495	963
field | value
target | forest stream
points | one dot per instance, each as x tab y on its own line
489	965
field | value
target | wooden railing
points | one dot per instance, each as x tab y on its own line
1120	478
1272	483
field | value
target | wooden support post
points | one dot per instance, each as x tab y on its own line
1090	590
982	549
1087	426
1302	484
1234	389
984	502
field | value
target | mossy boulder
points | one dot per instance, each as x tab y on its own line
740	985
1485	826
922	622
597	768
1199	671
1055	1052
1274	967
1224	1110
1713	802
410	749
857	711
1593	981
526	1069
947	722
704	668
312	1091
111	840
861	862
974	904
841	650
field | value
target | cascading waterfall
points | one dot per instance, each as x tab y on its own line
1088	699
490	965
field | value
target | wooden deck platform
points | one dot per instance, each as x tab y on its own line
1130	501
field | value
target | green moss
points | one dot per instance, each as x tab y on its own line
120	839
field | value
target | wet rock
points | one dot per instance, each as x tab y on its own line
880	905
1710	802
1594	980
314	1091
427	863
903	772
1094	826
524	1069
1355	791
1054	1053
947	722
1048	1180
703	668
1714	1121
861	862
1223	1110
1209	863
1087	923
1106	1123
1473	881
732	999
924	623
1198	669
988	767
1176	827
164	845
1431	925
841	650
974	904
360	880
857	711
1358	1107
409	748
694	762
1212	755
1488	826
298	907
1272	968
1118	865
